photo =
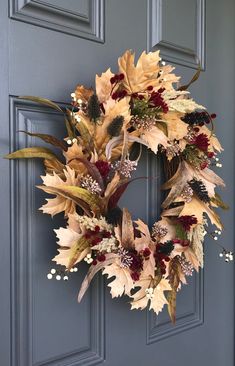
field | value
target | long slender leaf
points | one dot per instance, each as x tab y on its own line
48	139
32	152
43	101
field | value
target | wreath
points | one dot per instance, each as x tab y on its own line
106	128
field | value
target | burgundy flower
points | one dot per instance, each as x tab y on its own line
156	100
187	221
103	167
137	262
201	141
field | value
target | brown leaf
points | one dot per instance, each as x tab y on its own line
127	230
31	153
49	139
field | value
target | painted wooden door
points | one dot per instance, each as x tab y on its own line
47	47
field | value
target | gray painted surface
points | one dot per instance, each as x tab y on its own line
46	51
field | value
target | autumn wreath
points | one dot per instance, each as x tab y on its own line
137	106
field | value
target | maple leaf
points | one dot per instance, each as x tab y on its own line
59	203
144	240
140	301
112	109
155	137
74	152
145	73
214	142
103	85
184	174
123	282
73	247
176	128
199	208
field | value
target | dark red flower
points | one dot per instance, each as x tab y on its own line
135	276
94	262
210	154
213	116
187	221
103	167
146	252
201	141
101	258
156	100
137	261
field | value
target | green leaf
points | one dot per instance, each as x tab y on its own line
32	152
83	198
43	101
48	139
180	232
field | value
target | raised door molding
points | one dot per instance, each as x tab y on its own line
33	315
181	41
88	25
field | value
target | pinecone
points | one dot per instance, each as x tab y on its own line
196	118
93	108
115	126
199	188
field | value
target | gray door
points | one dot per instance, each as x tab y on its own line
47	47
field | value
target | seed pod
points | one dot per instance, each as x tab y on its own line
93	108
114	129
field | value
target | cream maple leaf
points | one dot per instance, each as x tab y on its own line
158	300
145	73
123	282
68	239
176	128
155	137
59	203
103	85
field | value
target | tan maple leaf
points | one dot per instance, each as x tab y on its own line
123	283
214	142
176	128
112	110
74	152
198	209
103	85
140	301
185	173
155	137
70	252
145	73
59	203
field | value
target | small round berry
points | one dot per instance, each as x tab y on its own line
213	116
58	277
74	140
49	276
75	269
69	142
65	278
53	271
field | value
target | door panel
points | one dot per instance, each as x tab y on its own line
47	48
